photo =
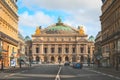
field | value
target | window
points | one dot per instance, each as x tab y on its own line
88	49
73	50
66	50
59	50
37	50
82	49
52	50
45	50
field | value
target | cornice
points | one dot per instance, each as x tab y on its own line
8	8
8	39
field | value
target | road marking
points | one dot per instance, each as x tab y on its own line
7	76
58	76
104	74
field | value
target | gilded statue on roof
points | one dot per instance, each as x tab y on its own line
81	31
37	32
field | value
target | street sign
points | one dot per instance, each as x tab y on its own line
13	62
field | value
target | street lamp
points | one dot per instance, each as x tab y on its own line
1	56
117	60
2	65
88	59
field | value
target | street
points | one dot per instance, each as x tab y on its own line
54	72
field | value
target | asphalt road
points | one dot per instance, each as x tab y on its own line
53	72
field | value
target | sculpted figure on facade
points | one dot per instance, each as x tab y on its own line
37	32
81	31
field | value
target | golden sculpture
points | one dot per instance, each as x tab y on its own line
81	31
37	32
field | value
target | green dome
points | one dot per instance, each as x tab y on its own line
27	38
91	38
59	29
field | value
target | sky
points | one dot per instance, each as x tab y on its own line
33	13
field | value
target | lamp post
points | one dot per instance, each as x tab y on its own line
20	64
2	64
1	56
117	60
88	59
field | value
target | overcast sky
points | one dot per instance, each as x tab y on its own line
43	13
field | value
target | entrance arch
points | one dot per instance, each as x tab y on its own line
52	59
59	59
37	58
82	59
66	58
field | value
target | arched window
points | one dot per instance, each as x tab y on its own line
37	50
66	58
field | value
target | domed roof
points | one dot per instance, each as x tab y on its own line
27	38
59	28
91	38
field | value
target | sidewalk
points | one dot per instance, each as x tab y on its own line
106	70
10	70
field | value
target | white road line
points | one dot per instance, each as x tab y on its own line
57	76
7	76
104	74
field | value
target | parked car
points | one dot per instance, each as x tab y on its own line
77	65
33	62
66	63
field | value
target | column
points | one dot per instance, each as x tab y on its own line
33	49
41	49
56	59
63	48
70	58
91	50
70	48
76	48
80	49
86	49
49	49
56	49
63	59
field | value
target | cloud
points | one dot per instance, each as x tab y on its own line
62	4
79	12
38	19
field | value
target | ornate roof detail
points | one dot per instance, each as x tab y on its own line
59	28
38	31
27	38
59	20
81	31
91	38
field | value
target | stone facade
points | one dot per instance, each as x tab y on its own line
8	30
21	48
98	49
110	21
60	43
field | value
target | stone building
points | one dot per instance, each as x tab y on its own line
21	48
8	30
110	21
98	49
60	43
28	48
